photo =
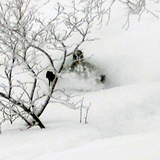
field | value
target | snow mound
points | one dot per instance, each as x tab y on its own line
119	121
125	110
73	81
133	147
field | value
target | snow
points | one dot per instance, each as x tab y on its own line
131	147
123	123
123	120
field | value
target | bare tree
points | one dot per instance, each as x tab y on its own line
103	9
28	45
138	8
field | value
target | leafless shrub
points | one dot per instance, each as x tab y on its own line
27	41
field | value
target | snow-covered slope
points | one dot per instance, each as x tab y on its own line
133	147
123	122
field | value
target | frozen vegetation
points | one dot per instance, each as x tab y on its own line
124	115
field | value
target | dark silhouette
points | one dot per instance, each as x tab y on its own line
78	59
78	56
50	76
102	78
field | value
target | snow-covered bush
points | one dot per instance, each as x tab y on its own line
30	45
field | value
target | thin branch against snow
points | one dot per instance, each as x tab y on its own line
67	101
26	42
24	107
136	7
74	105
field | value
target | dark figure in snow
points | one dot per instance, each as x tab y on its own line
85	69
50	76
78	56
